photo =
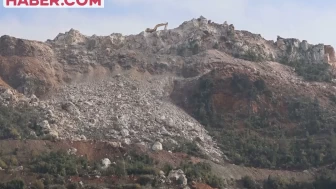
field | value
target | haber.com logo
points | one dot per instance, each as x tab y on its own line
53	3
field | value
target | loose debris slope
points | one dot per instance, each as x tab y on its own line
138	88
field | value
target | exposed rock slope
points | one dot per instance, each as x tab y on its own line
127	110
119	87
72	54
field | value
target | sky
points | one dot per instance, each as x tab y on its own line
311	20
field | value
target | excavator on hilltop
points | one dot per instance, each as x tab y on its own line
156	27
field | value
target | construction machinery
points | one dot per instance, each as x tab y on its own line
156	27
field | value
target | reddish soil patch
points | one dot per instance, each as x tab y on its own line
164	157
201	186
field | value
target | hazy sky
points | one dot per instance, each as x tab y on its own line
312	20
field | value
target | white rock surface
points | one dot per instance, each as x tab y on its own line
157	146
105	163
177	176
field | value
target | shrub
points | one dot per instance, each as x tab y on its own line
58	163
13	161
275	183
145	180
241	84
16	122
13	184
72	186
3	164
167	168
250	56
311	71
202	170
135	164
140	164
38	184
249	183
192	149
119	169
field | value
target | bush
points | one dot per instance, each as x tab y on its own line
250	56
202	170
58	163
167	168
14	184
241	84
119	169
38	184
16	122
311	71
192	149
3	164
140	164
126	186
309	113
145	180
134	164
249	183
72	186
275	183
13	161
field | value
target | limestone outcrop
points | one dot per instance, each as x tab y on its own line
118	87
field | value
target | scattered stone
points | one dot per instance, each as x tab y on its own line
105	163
7	95
124	132
72	151
177	176
127	141
54	134
44	125
157	146
71	108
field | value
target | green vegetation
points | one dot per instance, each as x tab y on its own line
14	184
266	141
250	56
249	183
243	86
7	161
192	48
126	186
140	165
145	180
201	100
134	164
267	145
309	115
38	184
202	171
191	148
16	122
322	181
311	71
3	164
58	163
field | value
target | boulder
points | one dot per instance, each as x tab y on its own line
177	177
105	163
157	146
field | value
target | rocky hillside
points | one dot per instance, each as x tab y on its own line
204	89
